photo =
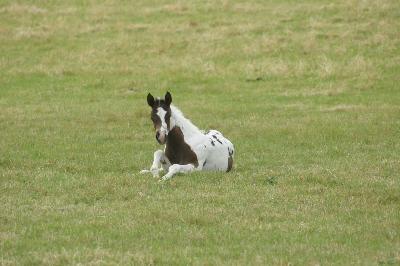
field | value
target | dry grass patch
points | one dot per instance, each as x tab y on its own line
20	9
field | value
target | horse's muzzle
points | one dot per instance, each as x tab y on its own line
161	137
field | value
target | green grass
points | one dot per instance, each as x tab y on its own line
308	92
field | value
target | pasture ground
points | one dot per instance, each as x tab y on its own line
308	91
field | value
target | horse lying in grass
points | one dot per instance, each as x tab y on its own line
187	148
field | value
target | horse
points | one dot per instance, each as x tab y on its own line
187	148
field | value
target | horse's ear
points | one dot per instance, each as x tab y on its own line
150	100
168	98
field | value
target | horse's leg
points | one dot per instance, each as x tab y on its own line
178	168
165	163
159	159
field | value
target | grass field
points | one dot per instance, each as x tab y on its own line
308	92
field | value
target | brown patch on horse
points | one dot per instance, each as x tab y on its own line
215	137
230	163
168	118
177	150
156	120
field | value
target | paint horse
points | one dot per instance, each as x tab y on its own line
187	148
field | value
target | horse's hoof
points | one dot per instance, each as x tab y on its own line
164	178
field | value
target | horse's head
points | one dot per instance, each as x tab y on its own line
160	115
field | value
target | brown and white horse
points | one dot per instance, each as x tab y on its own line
187	148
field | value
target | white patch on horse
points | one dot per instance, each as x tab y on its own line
177	119
161	114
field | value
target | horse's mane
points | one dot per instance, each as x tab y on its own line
187	127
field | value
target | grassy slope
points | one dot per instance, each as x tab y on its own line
307	91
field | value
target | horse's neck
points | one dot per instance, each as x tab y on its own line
177	119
